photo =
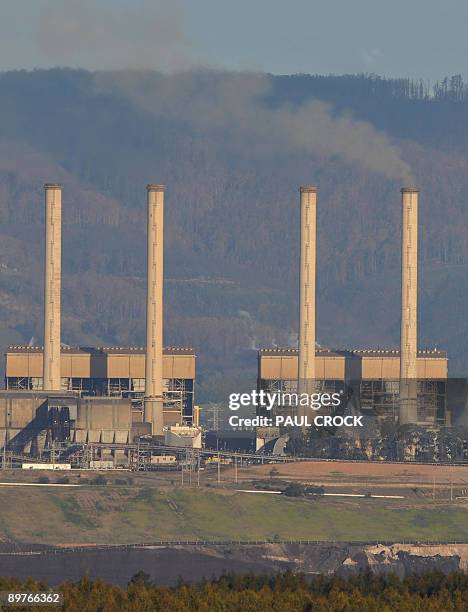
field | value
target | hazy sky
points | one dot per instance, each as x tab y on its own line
419	38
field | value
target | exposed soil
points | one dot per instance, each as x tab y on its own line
343	471
166	565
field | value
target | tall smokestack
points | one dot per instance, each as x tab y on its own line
153	402
308	221
52	286
409	306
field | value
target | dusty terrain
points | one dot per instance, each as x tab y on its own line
349	473
113	530
166	565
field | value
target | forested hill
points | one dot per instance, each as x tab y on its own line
232	150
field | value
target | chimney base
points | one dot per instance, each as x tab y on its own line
153	414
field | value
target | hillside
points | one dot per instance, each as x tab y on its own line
232	150
130	515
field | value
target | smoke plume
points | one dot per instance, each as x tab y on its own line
152	35
147	34
238	106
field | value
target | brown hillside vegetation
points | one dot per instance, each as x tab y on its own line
231	209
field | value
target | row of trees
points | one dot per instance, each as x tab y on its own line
453	88
427	592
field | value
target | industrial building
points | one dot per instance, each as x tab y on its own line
31	421
373	373
62	395
68	395
399	386
110	372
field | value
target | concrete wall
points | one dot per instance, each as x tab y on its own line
337	367
23	418
285	367
103	420
18	411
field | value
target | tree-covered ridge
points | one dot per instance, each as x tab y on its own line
233	150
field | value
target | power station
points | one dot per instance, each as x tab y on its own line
115	395
401	387
58	394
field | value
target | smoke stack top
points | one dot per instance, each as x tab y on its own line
155	187
409	190
308	189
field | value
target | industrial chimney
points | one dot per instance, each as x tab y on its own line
409	307
52	286
153	402
308	222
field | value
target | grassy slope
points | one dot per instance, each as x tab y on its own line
120	515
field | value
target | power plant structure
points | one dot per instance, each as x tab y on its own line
52	286
57	394
409	307
308	240
374	373
117	372
405	386
153	402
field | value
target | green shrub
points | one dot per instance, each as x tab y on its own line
98	480
294	490
315	490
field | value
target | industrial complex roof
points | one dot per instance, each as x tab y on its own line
104	350
371	352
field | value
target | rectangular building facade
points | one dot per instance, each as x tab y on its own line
30	421
374	372
110	372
